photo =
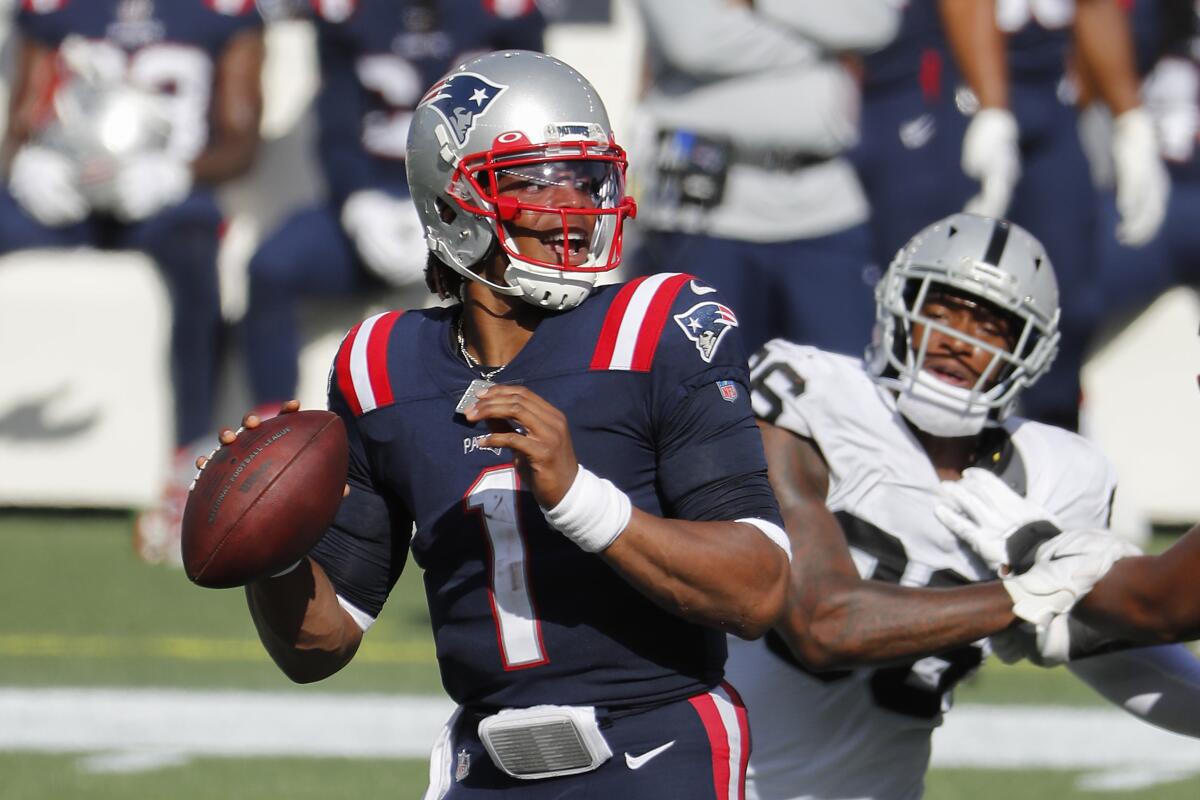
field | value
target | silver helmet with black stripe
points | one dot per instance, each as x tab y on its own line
981	258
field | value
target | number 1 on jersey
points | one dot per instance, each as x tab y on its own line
494	497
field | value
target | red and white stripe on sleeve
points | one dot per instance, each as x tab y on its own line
635	321
361	368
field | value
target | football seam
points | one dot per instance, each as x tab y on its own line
265	489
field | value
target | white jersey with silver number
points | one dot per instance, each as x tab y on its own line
866	733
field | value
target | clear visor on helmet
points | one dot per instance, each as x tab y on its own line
561	210
1005	370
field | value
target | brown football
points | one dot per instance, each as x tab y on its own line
261	503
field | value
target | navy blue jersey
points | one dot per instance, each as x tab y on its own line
1039	34
652	378
170	48
919	39
378	57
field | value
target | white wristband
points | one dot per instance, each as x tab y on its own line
592	513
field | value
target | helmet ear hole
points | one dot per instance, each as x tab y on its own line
445	211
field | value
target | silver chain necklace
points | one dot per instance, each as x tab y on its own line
470	359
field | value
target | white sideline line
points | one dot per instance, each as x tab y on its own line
1009	737
146	726
219	723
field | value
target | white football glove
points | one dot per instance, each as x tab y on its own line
388	235
1065	568
1142	181
46	184
991	156
148	183
994	521
1044	645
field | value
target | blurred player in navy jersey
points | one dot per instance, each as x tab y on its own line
376	58
1020	154
588	487
124	116
1167	34
751	107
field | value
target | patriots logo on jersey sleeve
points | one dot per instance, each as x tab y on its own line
461	100
706	324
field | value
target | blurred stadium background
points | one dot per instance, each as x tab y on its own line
122	680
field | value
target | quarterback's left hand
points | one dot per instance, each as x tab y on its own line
994	521
148	183
543	453
1142	181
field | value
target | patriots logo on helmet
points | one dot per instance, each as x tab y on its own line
461	99
705	324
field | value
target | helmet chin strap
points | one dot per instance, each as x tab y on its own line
940	409
549	288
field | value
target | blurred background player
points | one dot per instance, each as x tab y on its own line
125	114
967	317
1020	148
1167	34
376	58
749	110
581	615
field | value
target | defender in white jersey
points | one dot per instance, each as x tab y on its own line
967	318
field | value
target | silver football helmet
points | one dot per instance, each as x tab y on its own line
515	133
981	258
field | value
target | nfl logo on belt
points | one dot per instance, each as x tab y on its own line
728	390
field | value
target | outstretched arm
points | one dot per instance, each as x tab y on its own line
834	619
990	152
1150	598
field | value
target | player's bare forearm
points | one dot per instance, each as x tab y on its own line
836	620
1104	49
237	112
301	624
726	575
860	623
979	48
33	79
1149	598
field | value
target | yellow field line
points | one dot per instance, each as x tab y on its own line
188	648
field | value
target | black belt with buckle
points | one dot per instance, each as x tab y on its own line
691	169
773	158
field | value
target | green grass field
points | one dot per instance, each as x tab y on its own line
81	611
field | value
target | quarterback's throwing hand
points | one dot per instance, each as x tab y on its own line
543	453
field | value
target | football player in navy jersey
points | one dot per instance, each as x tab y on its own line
376	57
124	116
588	487
1020	153
1167	34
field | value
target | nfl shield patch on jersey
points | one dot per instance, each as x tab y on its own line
728	390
